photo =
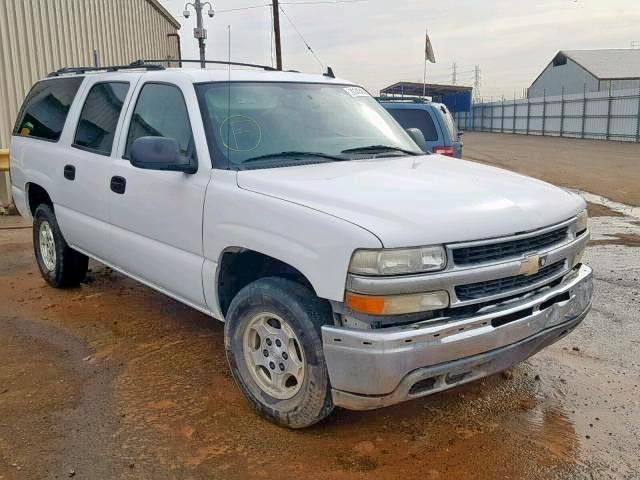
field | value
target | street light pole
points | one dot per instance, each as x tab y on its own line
200	33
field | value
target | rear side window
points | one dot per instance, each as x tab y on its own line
449	123
46	108
99	117
415	118
161	112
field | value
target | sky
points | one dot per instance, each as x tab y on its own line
376	43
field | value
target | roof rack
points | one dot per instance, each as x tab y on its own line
403	99
216	62
112	68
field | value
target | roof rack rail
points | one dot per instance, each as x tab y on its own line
111	68
216	62
405	99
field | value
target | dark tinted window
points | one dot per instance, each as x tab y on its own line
99	117
46	107
161	112
415	118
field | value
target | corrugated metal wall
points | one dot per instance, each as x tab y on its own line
39	36
611	115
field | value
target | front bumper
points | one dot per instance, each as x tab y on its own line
375	368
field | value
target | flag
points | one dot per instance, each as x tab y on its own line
428	51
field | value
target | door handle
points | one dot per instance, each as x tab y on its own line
118	184
69	172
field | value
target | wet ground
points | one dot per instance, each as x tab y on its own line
114	380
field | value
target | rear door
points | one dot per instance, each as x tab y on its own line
412	116
85	171
157	215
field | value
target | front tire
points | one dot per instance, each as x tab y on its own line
274	348
59	264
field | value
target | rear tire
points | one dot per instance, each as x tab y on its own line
274	349
59	264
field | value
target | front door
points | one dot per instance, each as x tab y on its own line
156	216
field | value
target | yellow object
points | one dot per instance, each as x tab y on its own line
4	160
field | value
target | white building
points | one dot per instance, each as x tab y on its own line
577	71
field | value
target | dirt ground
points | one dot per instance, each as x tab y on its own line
611	169
113	380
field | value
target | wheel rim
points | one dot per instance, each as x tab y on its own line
274	356
47	246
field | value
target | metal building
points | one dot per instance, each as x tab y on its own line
40	36
585	71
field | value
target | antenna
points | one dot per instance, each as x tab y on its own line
229	100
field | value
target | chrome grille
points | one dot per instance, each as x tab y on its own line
488	288
503	250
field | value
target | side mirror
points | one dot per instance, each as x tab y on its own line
160	153
417	136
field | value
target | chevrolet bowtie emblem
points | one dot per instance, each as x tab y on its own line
531	265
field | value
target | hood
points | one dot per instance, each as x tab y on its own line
424	200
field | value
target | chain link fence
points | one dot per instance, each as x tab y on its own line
605	115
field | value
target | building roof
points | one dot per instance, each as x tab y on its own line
605	64
416	89
164	12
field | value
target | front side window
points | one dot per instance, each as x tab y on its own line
416	118
45	109
99	117
161	112
263	125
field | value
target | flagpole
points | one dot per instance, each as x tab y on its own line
424	77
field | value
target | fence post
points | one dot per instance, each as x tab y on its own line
638	116
528	112
513	126
544	108
492	115
562	112
584	109
502	117
609	112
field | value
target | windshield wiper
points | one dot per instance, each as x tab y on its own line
293	154
380	148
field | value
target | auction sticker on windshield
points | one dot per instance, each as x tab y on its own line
356	91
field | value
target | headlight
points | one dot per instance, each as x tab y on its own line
398	261
581	221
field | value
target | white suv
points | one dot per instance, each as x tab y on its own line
351	269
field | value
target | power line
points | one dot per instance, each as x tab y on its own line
319	2
302	38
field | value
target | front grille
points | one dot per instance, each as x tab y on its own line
474	291
509	249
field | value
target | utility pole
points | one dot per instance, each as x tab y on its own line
199	33
276	32
455	71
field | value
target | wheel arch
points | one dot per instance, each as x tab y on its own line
36	195
238	267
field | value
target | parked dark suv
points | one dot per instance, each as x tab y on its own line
433	119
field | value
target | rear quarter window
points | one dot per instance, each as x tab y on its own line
46	107
416	118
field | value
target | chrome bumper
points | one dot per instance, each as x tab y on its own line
375	368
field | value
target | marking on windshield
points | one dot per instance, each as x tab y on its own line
356	91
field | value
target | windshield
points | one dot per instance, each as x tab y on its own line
262	125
